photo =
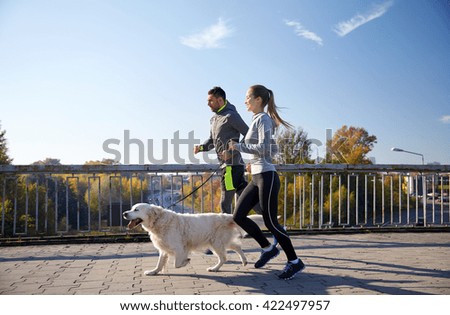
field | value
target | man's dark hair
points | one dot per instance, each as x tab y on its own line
217	91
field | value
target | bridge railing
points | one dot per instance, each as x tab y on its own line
79	199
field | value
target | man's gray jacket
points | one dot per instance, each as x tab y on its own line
226	125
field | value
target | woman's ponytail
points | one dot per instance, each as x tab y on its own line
269	99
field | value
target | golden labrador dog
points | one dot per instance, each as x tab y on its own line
177	235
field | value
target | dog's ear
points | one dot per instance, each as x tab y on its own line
152	214
155	215
156	210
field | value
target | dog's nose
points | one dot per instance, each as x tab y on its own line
125	215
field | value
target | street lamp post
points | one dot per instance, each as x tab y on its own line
415	153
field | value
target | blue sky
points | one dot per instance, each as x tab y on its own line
74	74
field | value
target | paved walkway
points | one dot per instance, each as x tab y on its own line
390	263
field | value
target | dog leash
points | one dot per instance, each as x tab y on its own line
197	188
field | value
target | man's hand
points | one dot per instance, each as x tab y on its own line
232	145
196	149
225	155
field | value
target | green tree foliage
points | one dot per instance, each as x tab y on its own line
48	161
7	205
4	158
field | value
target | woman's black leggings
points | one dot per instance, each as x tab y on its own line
264	189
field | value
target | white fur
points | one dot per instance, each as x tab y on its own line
176	235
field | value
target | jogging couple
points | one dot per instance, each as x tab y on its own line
261	193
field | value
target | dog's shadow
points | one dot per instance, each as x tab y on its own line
224	281
264	281
233	278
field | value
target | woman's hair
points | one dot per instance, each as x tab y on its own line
269	100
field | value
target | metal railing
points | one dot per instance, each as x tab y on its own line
72	199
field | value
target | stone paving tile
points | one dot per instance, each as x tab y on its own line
391	263
57	290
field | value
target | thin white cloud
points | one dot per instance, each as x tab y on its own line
210	37
445	119
303	32
345	27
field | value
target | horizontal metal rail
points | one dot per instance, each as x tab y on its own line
187	168
72	199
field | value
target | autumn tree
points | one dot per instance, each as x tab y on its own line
350	145
294	147
102	162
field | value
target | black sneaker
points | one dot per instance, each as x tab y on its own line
266	256
291	269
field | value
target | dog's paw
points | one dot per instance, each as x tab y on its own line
244	263
151	272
